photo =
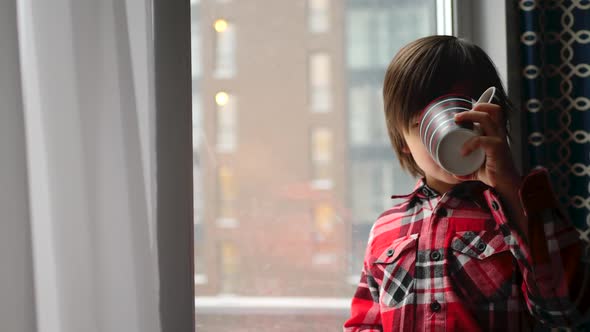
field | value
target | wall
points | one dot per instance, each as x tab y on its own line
492	24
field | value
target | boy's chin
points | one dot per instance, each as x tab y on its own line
450	178
467	177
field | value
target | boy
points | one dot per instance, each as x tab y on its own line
490	251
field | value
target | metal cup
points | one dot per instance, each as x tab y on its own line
444	138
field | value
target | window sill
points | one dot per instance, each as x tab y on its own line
235	304
322	184
229	223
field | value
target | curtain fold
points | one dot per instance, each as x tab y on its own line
17	306
87	85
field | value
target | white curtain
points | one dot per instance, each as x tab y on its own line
84	116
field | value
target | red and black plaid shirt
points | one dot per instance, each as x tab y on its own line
455	263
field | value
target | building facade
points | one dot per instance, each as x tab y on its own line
293	163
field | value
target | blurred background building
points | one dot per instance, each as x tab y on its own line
292	161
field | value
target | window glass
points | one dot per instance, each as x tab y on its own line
322	154
319	15
320	74
226	121
292	161
225	39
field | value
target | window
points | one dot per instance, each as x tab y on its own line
226	122
374	183
359	37
323	222
225	39
378	126
320	72
200	264
322	150
197	130
374	33
377	32
325	249
197	125
361	111
229	268
319	15
195	45
227	197
199	257
367	117
284	219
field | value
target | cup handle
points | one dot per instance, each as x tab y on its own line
487	96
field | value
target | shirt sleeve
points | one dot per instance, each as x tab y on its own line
556	277
365	314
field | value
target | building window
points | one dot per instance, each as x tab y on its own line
378	124
361	110
227	197
225	49
375	33
319	15
367	116
373	185
359	38
226	122
324	218
229	267
320	76
322	146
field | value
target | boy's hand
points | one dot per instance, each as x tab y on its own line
498	169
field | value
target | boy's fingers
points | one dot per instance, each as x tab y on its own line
495	112
488	144
484	119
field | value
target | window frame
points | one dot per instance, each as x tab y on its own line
174	155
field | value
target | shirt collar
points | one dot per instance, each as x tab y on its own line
465	189
421	189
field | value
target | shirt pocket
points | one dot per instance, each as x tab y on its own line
481	266
394	268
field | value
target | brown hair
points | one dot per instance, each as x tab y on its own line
426	69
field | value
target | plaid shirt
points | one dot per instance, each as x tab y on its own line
455	263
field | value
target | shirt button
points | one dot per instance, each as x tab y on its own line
495	205
435	255
481	246
435	306
389	252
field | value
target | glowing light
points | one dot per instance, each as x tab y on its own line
221	98
220	25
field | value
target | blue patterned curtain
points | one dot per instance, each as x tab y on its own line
555	43
555	50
